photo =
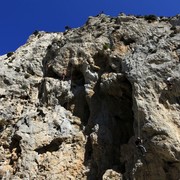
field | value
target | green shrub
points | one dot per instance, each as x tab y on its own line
27	76
106	46
67	28
9	54
24	86
36	32
150	17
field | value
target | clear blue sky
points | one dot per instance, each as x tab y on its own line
19	18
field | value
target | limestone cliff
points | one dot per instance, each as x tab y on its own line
73	103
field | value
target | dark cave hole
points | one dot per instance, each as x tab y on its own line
81	108
50	73
25	97
42	93
127	41
66	105
88	152
40	112
7	82
77	78
15	145
53	146
2	96
30	71
101	61
47	62
118	117
122	120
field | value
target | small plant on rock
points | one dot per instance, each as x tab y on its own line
9	54
150	18
24	86
106	46
36	32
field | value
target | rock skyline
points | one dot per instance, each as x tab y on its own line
73	103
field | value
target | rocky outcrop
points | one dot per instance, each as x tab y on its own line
73	103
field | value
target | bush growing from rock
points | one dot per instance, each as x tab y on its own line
150	18
36	32
106	46
9	54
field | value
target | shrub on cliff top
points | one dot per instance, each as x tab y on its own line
9	54
150	17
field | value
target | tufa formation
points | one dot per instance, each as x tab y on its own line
72	104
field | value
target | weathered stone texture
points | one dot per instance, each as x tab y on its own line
73	103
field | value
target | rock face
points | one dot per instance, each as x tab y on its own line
73	103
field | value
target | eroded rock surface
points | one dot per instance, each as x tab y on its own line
73	103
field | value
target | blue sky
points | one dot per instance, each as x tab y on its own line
19	18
